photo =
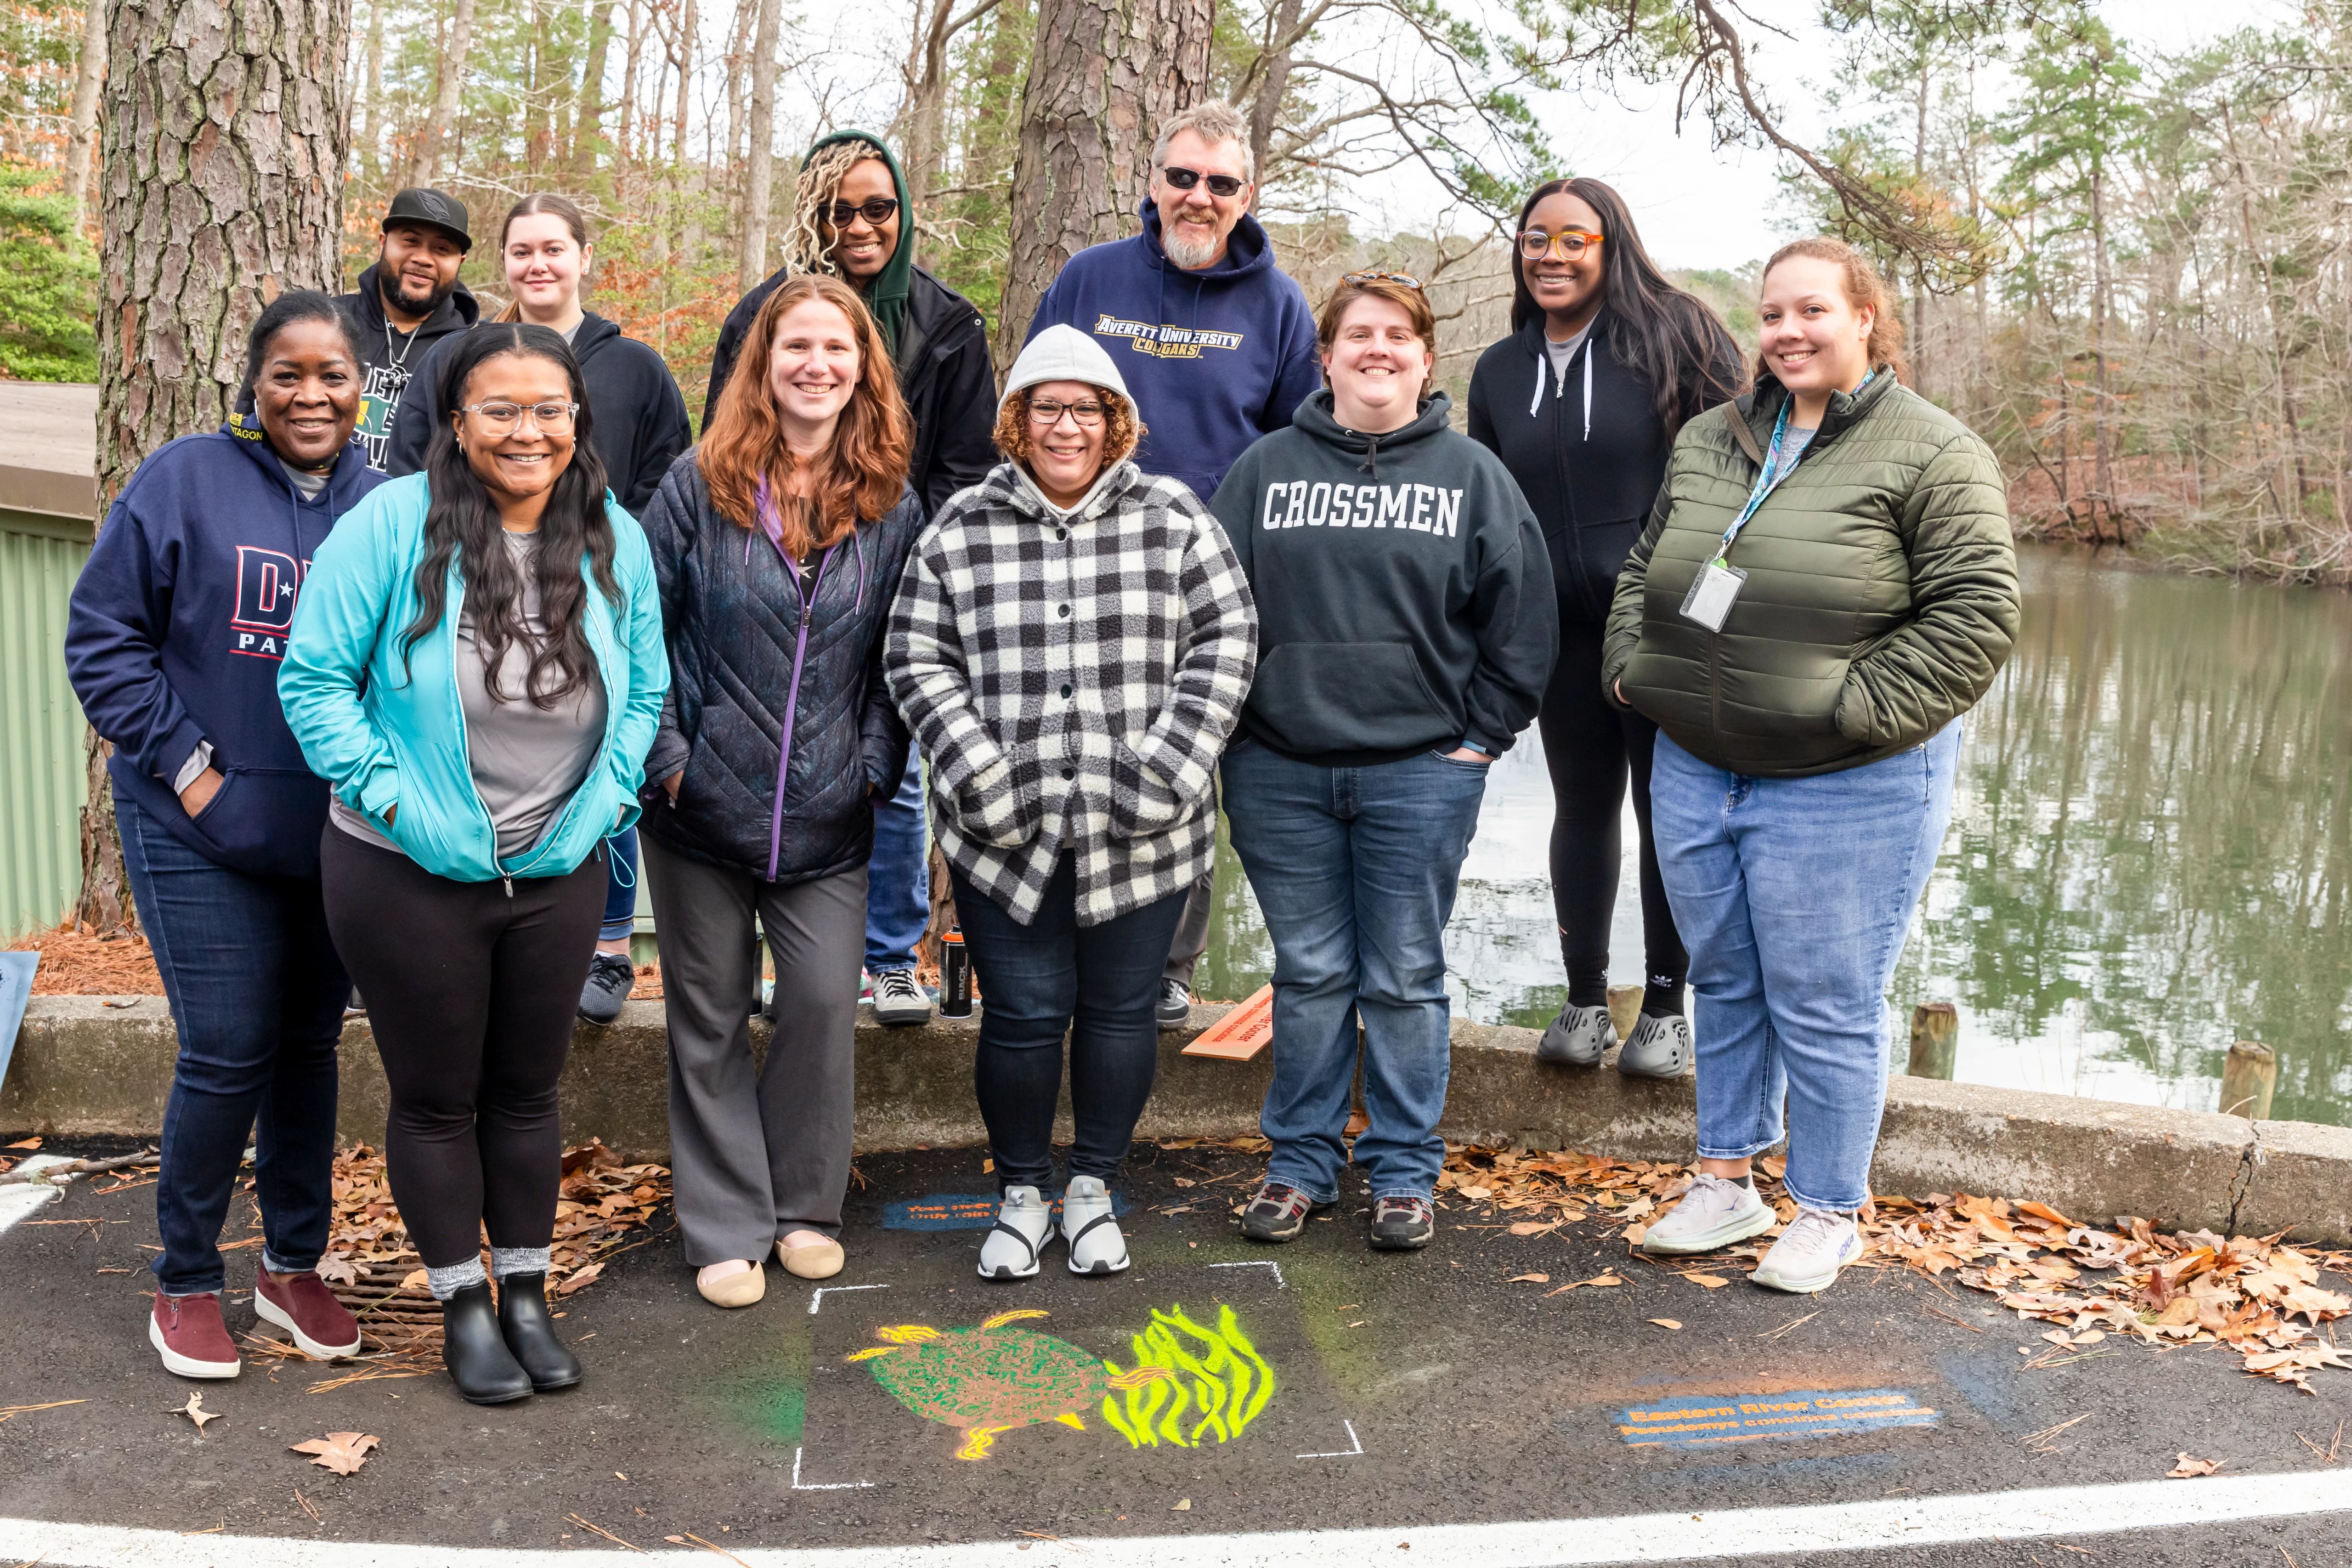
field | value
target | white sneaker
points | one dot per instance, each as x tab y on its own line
899	1000
1097	1244
1578	1037
1810	1253
1714	1213
1660	1047
1024	1226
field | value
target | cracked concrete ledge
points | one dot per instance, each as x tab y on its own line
91	1065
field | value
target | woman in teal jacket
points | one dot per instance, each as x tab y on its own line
477	668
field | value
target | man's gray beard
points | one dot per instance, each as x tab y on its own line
1187	255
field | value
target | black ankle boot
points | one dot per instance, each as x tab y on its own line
476	1353
530	1332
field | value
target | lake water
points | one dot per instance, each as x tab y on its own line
2151	855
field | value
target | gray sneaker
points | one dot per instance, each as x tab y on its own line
899	1000
1661	1047
1024	1226
1578	1037
1810	1253
1714	1213
1096	1246
1174	1010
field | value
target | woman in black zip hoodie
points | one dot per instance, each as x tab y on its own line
1606	361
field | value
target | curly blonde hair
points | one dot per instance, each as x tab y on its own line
803	243
1122	430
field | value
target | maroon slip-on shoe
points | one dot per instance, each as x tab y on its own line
188	1333
303	1306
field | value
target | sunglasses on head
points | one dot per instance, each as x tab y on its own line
1405	278
876	210
1185	179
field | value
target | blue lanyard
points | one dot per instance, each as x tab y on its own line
1769	479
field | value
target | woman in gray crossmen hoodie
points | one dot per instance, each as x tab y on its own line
1406	629
1071	647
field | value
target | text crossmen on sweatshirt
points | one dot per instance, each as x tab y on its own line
1424	509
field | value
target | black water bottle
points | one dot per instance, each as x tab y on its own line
955	976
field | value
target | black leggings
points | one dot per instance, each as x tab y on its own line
1591	747
471	993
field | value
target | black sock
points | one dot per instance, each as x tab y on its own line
1588	978
1662	996
1747	1181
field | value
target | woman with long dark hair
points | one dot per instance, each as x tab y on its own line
173	642
1605	363
778	545
476	669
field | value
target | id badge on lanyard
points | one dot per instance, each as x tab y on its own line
1717	588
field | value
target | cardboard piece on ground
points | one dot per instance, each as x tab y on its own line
1240	1034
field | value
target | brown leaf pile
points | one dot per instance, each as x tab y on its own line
78	963
2244	1293
602	1207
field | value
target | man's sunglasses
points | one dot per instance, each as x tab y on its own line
1182	179
876	210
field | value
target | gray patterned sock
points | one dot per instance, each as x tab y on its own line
446	1281
506	1260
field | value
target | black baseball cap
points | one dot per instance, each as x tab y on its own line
434	208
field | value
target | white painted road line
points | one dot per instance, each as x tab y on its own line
818	1296
21	1200
2075	1512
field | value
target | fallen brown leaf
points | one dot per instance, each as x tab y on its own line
1712	1282
1528	1280
194	1411
1666	1322
2191	1465
341	1452
1182	1505
1534	1226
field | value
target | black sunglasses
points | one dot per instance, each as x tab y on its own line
1185	179
876	210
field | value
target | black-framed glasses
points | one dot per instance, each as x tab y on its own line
499	418
1405	278
1184	178
1535	244
876	210
1047	411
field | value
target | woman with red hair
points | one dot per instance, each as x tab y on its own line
778	542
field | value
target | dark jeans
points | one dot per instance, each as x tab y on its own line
256	993
1355	869
1099	984
471	992
898	875
620	888
1592	749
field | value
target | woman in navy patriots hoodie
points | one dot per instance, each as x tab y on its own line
177	626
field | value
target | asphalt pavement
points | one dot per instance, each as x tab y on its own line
1217	1392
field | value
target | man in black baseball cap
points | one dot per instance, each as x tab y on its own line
410	298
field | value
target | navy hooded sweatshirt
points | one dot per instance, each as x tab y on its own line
1215	359
174	634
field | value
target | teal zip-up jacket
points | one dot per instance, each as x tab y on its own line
385	730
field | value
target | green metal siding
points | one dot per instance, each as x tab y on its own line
41	725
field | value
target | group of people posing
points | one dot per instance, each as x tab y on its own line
397	664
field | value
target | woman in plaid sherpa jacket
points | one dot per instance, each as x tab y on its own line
1072	646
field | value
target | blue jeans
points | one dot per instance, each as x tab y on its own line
1355	870
258	995
897	876
1794	896
620	887
1096	984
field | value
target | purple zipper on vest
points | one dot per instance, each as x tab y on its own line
772	526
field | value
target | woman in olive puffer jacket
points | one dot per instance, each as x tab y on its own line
1825	585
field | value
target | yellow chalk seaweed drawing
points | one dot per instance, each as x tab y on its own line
1188	1381
1215	1383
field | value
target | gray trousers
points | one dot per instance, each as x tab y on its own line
1192	931
754	1155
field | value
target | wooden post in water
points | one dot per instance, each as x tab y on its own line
2248	1078
1624	1009
1935	1039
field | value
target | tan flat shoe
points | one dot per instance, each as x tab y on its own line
813	1260
734	1290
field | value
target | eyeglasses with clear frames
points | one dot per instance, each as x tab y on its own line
1047	411
1535	244
501	419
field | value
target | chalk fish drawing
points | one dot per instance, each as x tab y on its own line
1187	1384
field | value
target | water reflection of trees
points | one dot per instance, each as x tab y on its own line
2154	831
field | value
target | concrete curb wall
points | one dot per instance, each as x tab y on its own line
85	1065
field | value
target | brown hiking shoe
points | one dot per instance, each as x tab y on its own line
303	1306
188	1333
1278	1213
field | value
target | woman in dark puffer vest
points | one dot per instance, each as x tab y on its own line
1826	584
778	542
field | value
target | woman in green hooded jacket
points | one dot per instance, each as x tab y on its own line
1825	585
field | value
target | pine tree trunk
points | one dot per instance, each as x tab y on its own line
431	145
1268	107
588	119
222	187
1102	76
371	137
90	80
760	162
